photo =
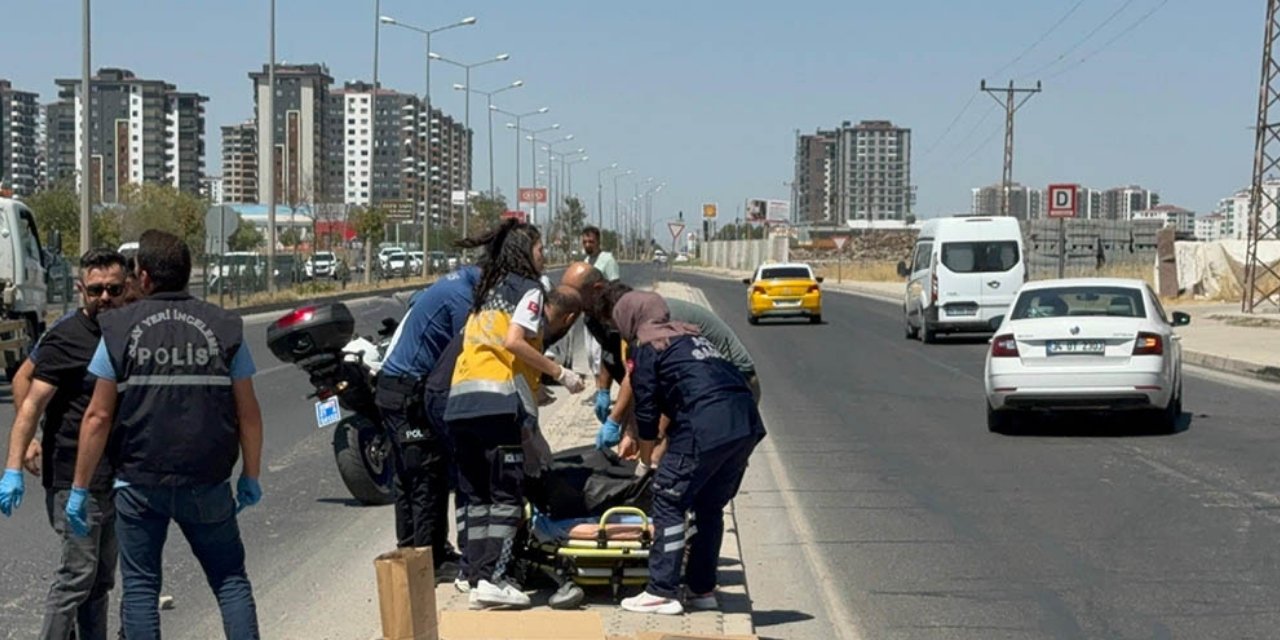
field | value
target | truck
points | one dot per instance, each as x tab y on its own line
24	293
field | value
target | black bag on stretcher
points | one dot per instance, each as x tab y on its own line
584	483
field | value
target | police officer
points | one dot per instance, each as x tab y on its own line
435	316
714	427
175	376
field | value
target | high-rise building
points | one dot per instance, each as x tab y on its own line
875	172
60	143
1025	203
816	159
1120	203
299	123
240	163
140	131
20	149
1182	220
211	190
373	143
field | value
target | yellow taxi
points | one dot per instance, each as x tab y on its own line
784	290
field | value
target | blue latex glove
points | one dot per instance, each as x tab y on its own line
11	489
609	435
248	493
77	512
602	404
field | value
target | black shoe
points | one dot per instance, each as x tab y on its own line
446	572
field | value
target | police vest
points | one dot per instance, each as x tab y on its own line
175	417
488	379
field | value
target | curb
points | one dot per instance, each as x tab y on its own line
1244	369
340	297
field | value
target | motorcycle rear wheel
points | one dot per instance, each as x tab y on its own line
363	453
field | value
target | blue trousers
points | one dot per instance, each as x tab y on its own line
207	516
702	484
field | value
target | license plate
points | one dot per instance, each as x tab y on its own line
1076	347
962	311
328	413
786	303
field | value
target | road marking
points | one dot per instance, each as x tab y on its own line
270	370
829	587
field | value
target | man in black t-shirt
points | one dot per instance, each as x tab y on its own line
60	391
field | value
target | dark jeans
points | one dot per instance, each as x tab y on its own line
207	516
491	482
421	467
80	595
704	484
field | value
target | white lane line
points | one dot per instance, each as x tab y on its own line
270	370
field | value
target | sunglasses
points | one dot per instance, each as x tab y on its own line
96	290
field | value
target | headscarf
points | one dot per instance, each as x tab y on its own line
643	318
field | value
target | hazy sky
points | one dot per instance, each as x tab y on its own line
706	96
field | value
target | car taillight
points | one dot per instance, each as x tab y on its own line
933	282
1004	347
297	316
1148	344
813	288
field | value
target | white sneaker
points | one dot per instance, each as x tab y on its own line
704	602
649	603
499	595
462	585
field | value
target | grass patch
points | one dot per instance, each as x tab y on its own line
317	289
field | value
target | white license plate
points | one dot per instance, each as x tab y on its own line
328	413
786	303
1076	347
962	311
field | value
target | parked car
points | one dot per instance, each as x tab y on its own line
415	262
321	264
1085	344
784	290
385	254
964	272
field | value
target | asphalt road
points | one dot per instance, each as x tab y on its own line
905	518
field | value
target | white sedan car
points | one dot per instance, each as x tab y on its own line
1087	344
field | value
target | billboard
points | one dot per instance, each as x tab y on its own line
761	210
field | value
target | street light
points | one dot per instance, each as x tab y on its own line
489	97
467	67
516	126
550	169
617	230
600	193
533	151
428	208
533	138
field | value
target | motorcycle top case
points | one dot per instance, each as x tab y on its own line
308	331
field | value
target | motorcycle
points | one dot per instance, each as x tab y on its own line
343	368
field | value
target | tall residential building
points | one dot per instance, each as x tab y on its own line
1182	220
240	163
20	152
211	190
1120	203
301	156
60	143
1210	228
373	143
1025	203
874	181
140	131
816	160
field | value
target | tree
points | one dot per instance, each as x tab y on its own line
370	224
290	237
156	206
246	237
486	212
58	209
572	220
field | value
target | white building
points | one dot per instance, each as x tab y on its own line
1209	228
1235	210
1182	220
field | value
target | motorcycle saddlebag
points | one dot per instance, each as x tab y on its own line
308	331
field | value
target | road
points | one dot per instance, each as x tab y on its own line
907	519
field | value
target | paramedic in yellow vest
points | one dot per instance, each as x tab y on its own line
493	398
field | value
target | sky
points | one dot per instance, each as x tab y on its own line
707	97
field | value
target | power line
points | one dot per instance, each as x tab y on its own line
969	136
994	132
1042	38
1081	41
954	120
1143	18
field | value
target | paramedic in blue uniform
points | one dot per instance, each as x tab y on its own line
714	428
436	315
175	394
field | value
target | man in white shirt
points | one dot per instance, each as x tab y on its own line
605	263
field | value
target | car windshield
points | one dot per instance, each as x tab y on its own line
1061	302
779	273
328	257
980	257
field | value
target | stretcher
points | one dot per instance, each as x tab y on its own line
611	551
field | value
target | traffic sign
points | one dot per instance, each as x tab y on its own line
519	216
534	195
709	211
840	241
676	228
1063	200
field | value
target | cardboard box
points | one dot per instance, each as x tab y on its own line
407	594
521	625
658	635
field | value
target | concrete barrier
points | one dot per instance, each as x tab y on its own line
744	255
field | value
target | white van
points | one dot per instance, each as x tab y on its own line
964	272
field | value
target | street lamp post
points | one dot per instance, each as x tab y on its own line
467	67
617	230
600	193
533	149
427	187
568	172
518	117
551	213
533	158
489	112
86	70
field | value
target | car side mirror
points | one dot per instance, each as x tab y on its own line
819	279
996	322
746	281
902	269
1181	319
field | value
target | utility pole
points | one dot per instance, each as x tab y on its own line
1262	278
86	162
1011	105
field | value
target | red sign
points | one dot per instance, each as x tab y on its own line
533	195
518	215
1063	201
676	228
